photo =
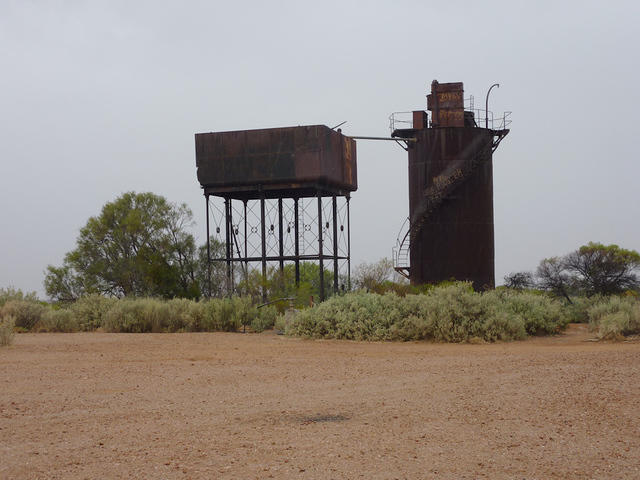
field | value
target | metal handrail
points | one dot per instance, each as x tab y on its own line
400	120
402	245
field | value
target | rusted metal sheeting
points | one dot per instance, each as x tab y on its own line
446	101
457	240
298	159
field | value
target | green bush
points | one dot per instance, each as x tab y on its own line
90	310
615	317
179	319
26	313
578	310
62	320
265	319
177	315
220	315
244	311
449	313
542	315
137	316
7	332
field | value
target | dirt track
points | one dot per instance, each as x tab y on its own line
263	406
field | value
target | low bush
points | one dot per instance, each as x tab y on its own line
179	318
578	310
265	319
615	317
449	313
155	315
541	315
90	310
62	320
244	311
219	315
7	332
138	315
26	313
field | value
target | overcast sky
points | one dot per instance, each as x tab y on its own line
100	98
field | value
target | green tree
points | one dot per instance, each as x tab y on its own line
593	269
137	246
603	269
371	275
553	277
519	280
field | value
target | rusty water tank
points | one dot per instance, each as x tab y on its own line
456	240
450	192
276	162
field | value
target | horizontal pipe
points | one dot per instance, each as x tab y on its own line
286	258
398	139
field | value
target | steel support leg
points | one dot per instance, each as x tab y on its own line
297	235
335	244
246	263
320	247
348	245
206	197
280	237
227	244
264	249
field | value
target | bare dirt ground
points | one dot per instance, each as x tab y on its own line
219	405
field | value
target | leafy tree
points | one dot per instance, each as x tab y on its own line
371	275
137	246
604	269
63	284
519	280
553	277
593	269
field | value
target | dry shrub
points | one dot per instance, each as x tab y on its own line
155	315
449	313
7	331
137	315
265	319
219	315
89	310
57	321
615	317
26	313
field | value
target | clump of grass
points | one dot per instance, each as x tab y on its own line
615	317
7	331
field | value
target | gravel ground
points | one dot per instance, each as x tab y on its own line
224	405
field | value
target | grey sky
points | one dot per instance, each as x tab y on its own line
99	98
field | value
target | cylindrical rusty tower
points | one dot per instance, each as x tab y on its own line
451	233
